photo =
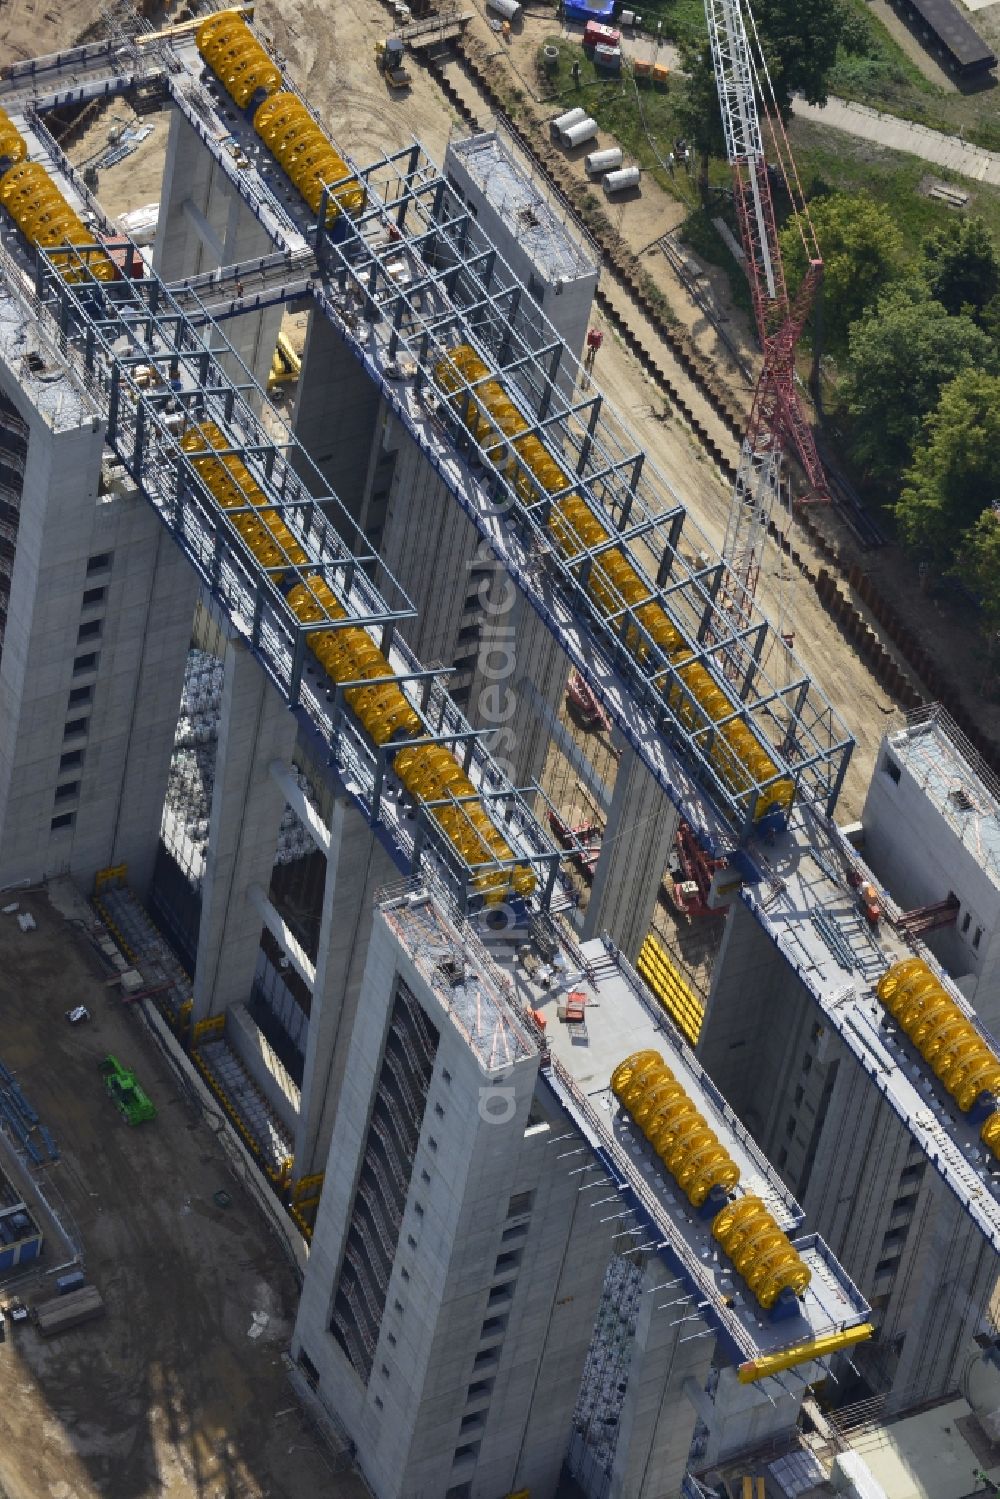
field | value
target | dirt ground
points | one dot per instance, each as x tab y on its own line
180	1389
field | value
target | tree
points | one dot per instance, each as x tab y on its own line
862	253
800	40
961	265
698	114
980	564
901	354
953	478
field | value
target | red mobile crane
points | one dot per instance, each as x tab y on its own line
777	421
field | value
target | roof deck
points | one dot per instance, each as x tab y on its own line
464	977
509	189
621	1017
955	780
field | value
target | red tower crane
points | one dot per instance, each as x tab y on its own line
777	421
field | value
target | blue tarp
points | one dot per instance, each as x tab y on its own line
590	10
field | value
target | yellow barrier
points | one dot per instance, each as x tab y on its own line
944	1037
236	58
684	1007
762	1253
429	772
248	73
302	151
44	217
691	1152
773	1363
695	699
760	1250
13	145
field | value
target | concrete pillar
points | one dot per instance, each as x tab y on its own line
427	544
204	224
161	642
635	852
519	681
657	1418
247	805
336	411
744	1416
96	637
357	867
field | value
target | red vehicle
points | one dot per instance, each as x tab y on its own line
594	34
580	698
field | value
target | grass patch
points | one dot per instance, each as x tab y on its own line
642	117
871	66
833	162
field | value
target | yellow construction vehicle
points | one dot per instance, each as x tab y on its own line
285	364
389	61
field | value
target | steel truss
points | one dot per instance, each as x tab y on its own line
153	371
413	278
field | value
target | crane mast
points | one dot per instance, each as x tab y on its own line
777	422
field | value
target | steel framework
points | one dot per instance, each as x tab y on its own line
777	422
412	278
152	373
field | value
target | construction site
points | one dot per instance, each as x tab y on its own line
501	970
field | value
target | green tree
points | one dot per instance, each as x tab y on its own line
954	477
900	355
800	40
862	253
961	265
698	114
980	564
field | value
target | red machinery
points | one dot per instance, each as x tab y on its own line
595	34
580	697
569	837
690	893
777	421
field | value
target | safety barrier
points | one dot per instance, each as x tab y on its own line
685	1008
41	212
694	697
253	81
429	772
761	1252
946	1039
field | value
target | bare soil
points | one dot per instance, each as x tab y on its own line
181	1388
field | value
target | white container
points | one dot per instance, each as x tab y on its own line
603	161
564	121
509	9
627	18
618	182
576	135
607	57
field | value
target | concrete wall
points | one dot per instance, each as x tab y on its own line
920	857
436	1342
108	775
566	301
336	410
204	224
